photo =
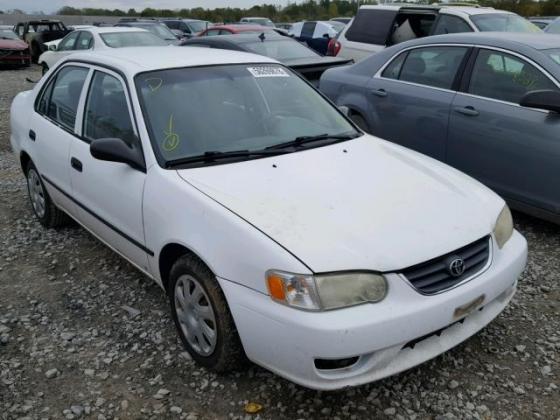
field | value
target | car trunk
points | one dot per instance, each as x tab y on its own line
312	68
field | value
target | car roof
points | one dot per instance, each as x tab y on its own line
241	38
132	61
469	10
538	41
111	29
242	27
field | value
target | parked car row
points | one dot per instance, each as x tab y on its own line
280	228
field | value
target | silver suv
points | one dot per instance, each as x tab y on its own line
377	27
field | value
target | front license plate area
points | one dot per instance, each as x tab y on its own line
464	310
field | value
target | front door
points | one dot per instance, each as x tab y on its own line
109	194
409	100
512	149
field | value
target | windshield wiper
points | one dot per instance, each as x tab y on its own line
299	141
212	156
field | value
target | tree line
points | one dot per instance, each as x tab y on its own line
308	10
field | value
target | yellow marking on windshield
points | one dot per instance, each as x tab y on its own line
171	140
154	83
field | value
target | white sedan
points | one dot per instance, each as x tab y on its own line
279	230
96	38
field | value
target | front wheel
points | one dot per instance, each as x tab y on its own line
202	316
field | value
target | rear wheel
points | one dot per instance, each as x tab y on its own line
43	207
202	317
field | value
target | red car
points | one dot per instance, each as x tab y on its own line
235	29
13	51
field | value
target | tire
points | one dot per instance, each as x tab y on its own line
46	212
44	68
35	52
360	122
196	297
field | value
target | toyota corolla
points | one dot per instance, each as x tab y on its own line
280	231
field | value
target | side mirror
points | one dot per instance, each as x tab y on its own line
345	110
52	47
116	150
542	99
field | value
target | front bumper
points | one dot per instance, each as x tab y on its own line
385	336
15	57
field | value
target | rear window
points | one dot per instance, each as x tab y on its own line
503	22
280	49
131	39
371	26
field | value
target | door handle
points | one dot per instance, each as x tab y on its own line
469	111
382	93
76	164
32	135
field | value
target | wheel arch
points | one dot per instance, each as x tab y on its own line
167	257
24	160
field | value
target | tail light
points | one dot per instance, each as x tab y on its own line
333	48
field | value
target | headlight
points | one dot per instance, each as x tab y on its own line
504	227
327	291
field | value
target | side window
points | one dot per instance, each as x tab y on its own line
19	29
185	28
449	24
106	112
308	29
85	42
213	32
393	70
502	76
69	42
59	100
433	66
225	32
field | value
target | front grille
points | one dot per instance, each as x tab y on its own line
435	276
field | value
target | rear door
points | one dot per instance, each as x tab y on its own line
52	130
512	149
368	32
410	98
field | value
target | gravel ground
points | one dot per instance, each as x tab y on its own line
83	334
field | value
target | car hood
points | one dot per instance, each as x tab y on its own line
361	204
12	44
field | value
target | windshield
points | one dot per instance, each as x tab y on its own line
554	54
131	39
249	107
281	50
8	34
197	26
554	27
503	22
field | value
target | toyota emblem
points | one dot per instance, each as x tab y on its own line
456	267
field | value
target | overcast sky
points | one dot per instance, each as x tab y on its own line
49	6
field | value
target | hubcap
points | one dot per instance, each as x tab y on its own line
195	315
36	193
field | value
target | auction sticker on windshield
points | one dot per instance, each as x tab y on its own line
267	71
